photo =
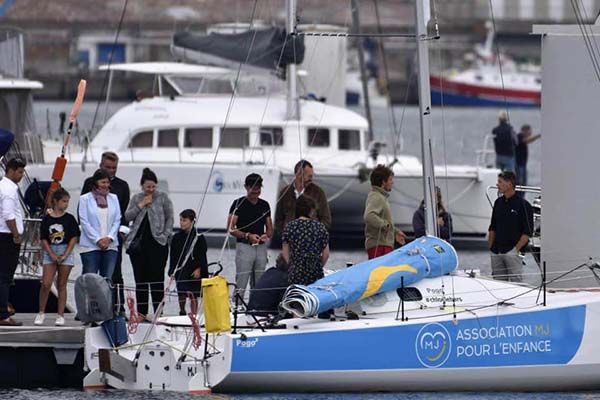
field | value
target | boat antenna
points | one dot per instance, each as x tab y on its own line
422	16
293	105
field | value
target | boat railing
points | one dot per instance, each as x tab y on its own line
486	153
33	150
253	155
30	256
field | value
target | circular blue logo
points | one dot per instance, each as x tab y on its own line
433	345
218	182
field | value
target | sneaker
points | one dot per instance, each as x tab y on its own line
60	321
39	319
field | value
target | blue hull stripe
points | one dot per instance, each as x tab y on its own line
454	99
531	338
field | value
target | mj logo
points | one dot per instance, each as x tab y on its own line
218	182
433	345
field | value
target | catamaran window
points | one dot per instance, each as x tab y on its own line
141	139
348	139
271	136
318	137
168	138
198	137
235	137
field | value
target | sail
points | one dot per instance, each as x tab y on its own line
425	257
268	48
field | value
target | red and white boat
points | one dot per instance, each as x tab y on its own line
486	84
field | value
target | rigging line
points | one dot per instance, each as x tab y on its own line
228	113
272	153
497	47
386	72
443	113
110	59
590	30
586	38
193	232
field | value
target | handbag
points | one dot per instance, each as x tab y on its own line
135	247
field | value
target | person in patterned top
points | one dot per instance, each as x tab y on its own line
305	244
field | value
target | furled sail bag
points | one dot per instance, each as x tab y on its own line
93	298
215	297
424	257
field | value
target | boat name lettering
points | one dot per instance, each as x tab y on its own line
503	340
504	348
191	371
246	343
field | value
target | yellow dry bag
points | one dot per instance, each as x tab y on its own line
215	296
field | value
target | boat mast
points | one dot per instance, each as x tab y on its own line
361	63
422	15
293	106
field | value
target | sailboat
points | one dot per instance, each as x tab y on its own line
423	325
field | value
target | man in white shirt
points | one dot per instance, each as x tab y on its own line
11	229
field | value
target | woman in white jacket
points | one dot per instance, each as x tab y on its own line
99	218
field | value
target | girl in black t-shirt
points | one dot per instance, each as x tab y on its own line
59	233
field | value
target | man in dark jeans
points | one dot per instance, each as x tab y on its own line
109	163
11	229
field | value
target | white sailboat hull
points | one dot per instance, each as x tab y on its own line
519	346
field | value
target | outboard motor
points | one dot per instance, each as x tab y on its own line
93	298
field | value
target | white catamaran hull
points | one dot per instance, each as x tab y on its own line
186	184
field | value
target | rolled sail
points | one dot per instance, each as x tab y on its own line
271	48
425	257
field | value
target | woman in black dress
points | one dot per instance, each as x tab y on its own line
305	244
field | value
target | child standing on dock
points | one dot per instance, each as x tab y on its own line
59	233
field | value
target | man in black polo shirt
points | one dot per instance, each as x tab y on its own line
251	224
509	231
109	163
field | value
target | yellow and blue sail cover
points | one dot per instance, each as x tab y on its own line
424	257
